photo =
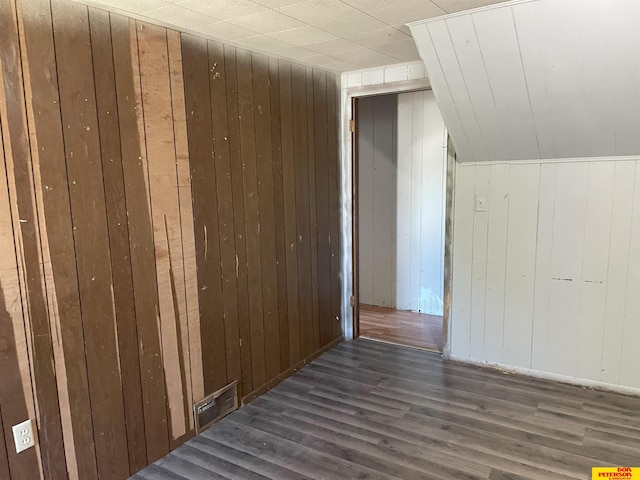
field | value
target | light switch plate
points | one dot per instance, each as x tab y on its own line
481	203
24	436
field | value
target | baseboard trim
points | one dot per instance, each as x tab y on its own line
555	377
287	373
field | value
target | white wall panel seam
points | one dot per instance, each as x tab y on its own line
535	269
526	84
464	131
626	286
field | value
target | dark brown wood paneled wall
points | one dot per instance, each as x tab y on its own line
168	225
262	134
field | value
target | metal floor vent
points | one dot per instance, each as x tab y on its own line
215	406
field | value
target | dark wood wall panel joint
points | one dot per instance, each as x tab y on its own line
224	194
18	156
279	215
251	214
237	179
267	232
205	210
118	229
72	42
141	248
290	210
171	221
323	206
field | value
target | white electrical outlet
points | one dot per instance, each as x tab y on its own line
24	436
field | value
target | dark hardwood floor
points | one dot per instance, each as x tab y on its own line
401	326
371	410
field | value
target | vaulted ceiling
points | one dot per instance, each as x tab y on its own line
537	79
337	35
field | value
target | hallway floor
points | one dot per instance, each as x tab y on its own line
401	326
372	410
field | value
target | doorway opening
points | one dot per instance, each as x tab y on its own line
400	183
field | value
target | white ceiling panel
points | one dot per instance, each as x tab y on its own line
303	36
224	29
222	9
179	14
267	21
338	35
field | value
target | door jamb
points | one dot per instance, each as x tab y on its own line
348	193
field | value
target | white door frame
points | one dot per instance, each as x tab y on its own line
346	197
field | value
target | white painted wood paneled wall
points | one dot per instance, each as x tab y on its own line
390	74
420	214
537	79
548	278
377	202
401	149
397	78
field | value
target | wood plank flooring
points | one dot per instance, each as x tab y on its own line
371	410
401	326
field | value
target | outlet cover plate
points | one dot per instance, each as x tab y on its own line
24	436
480	203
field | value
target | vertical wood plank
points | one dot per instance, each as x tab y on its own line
264	151
617	275
499	45
405	211
527	22
278	189
126	65
303	230
566	265
333	113
416	145
459	87
88	211
498	214
49	161
594	268
19	179
467	51
322	204
479	266
520	264
16	400
48	280
190	330
624	83
116	206
237	174
165	209
224	188
251	215
205	210
290	208
433	137
630	355
313	222
462	267
4	459
544	246
441	89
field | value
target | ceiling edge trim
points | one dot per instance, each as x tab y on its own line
619	158
467	12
